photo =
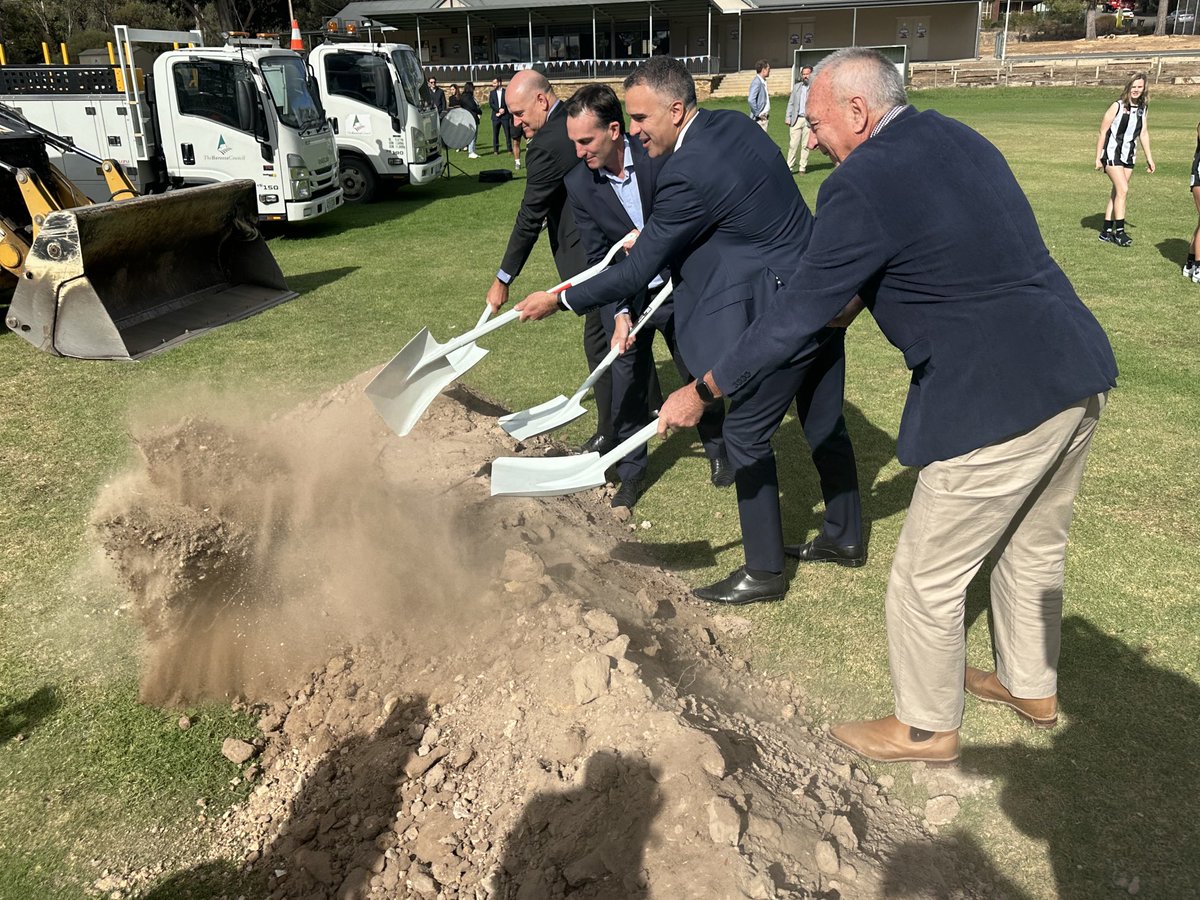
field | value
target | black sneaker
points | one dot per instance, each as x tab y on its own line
1121	239
1106	236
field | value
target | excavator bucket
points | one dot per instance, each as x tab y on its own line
126	280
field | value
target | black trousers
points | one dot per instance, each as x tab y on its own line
499	127
816	384
636	394
595	348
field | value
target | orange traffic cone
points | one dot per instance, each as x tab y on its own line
297	41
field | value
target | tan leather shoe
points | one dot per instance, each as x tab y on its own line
890	740
987	687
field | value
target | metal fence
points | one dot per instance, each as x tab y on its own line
560	69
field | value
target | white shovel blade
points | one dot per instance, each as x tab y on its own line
515	476
401	397
541	418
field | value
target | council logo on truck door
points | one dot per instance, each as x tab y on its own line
222	147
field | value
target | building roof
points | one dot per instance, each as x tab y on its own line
405	13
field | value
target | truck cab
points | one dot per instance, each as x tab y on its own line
253	110
386	126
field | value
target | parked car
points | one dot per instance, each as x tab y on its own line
1180	17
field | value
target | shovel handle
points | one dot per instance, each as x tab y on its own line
485	327
630	443
613	353
479	331
593	271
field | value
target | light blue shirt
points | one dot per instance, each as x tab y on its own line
626	190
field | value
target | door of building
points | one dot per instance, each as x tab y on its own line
913	32
801	35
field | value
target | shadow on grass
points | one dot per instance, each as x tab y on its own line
334	839
874	450
1116	798
1174	250
309	281
943	869
23	716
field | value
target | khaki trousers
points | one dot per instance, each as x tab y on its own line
798	141
1011	501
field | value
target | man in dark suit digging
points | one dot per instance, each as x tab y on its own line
612	193
731	225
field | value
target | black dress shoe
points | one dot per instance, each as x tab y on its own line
597	443
627	494
741	588
722	471
821	549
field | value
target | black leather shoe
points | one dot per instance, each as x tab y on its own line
597	443
627	494
821	549
741	588
722	471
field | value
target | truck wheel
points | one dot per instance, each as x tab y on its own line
359	181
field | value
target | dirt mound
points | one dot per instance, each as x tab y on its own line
251	549
563	724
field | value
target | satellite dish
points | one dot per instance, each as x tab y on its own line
458	129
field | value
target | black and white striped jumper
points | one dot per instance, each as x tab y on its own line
1120	143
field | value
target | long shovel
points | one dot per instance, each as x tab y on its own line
561	410
405	387
541	476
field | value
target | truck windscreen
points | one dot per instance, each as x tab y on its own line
287	80
412	78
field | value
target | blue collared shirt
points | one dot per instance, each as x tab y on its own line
626	190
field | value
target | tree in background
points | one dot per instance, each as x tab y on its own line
25	24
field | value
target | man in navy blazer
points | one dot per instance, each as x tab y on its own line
924	220
731	225
549	155
612	193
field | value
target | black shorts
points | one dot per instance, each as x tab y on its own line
1106	162
1194	181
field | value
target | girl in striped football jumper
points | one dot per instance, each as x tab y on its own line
1116	153
1191	269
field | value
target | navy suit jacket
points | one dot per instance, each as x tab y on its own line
549	156
731	225
602	220
926	221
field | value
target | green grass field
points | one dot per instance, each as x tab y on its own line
1112	795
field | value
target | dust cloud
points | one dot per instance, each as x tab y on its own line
254	546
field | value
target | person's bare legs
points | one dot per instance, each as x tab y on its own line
1119	176
1196	234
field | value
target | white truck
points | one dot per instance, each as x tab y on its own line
382	111
247	110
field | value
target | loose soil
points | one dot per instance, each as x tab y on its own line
467	697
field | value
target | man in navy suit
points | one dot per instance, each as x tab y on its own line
612	193
924	220
731	225
542	117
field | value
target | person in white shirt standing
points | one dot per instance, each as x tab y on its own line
798	122
760	98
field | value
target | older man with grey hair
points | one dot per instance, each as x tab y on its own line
924	220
